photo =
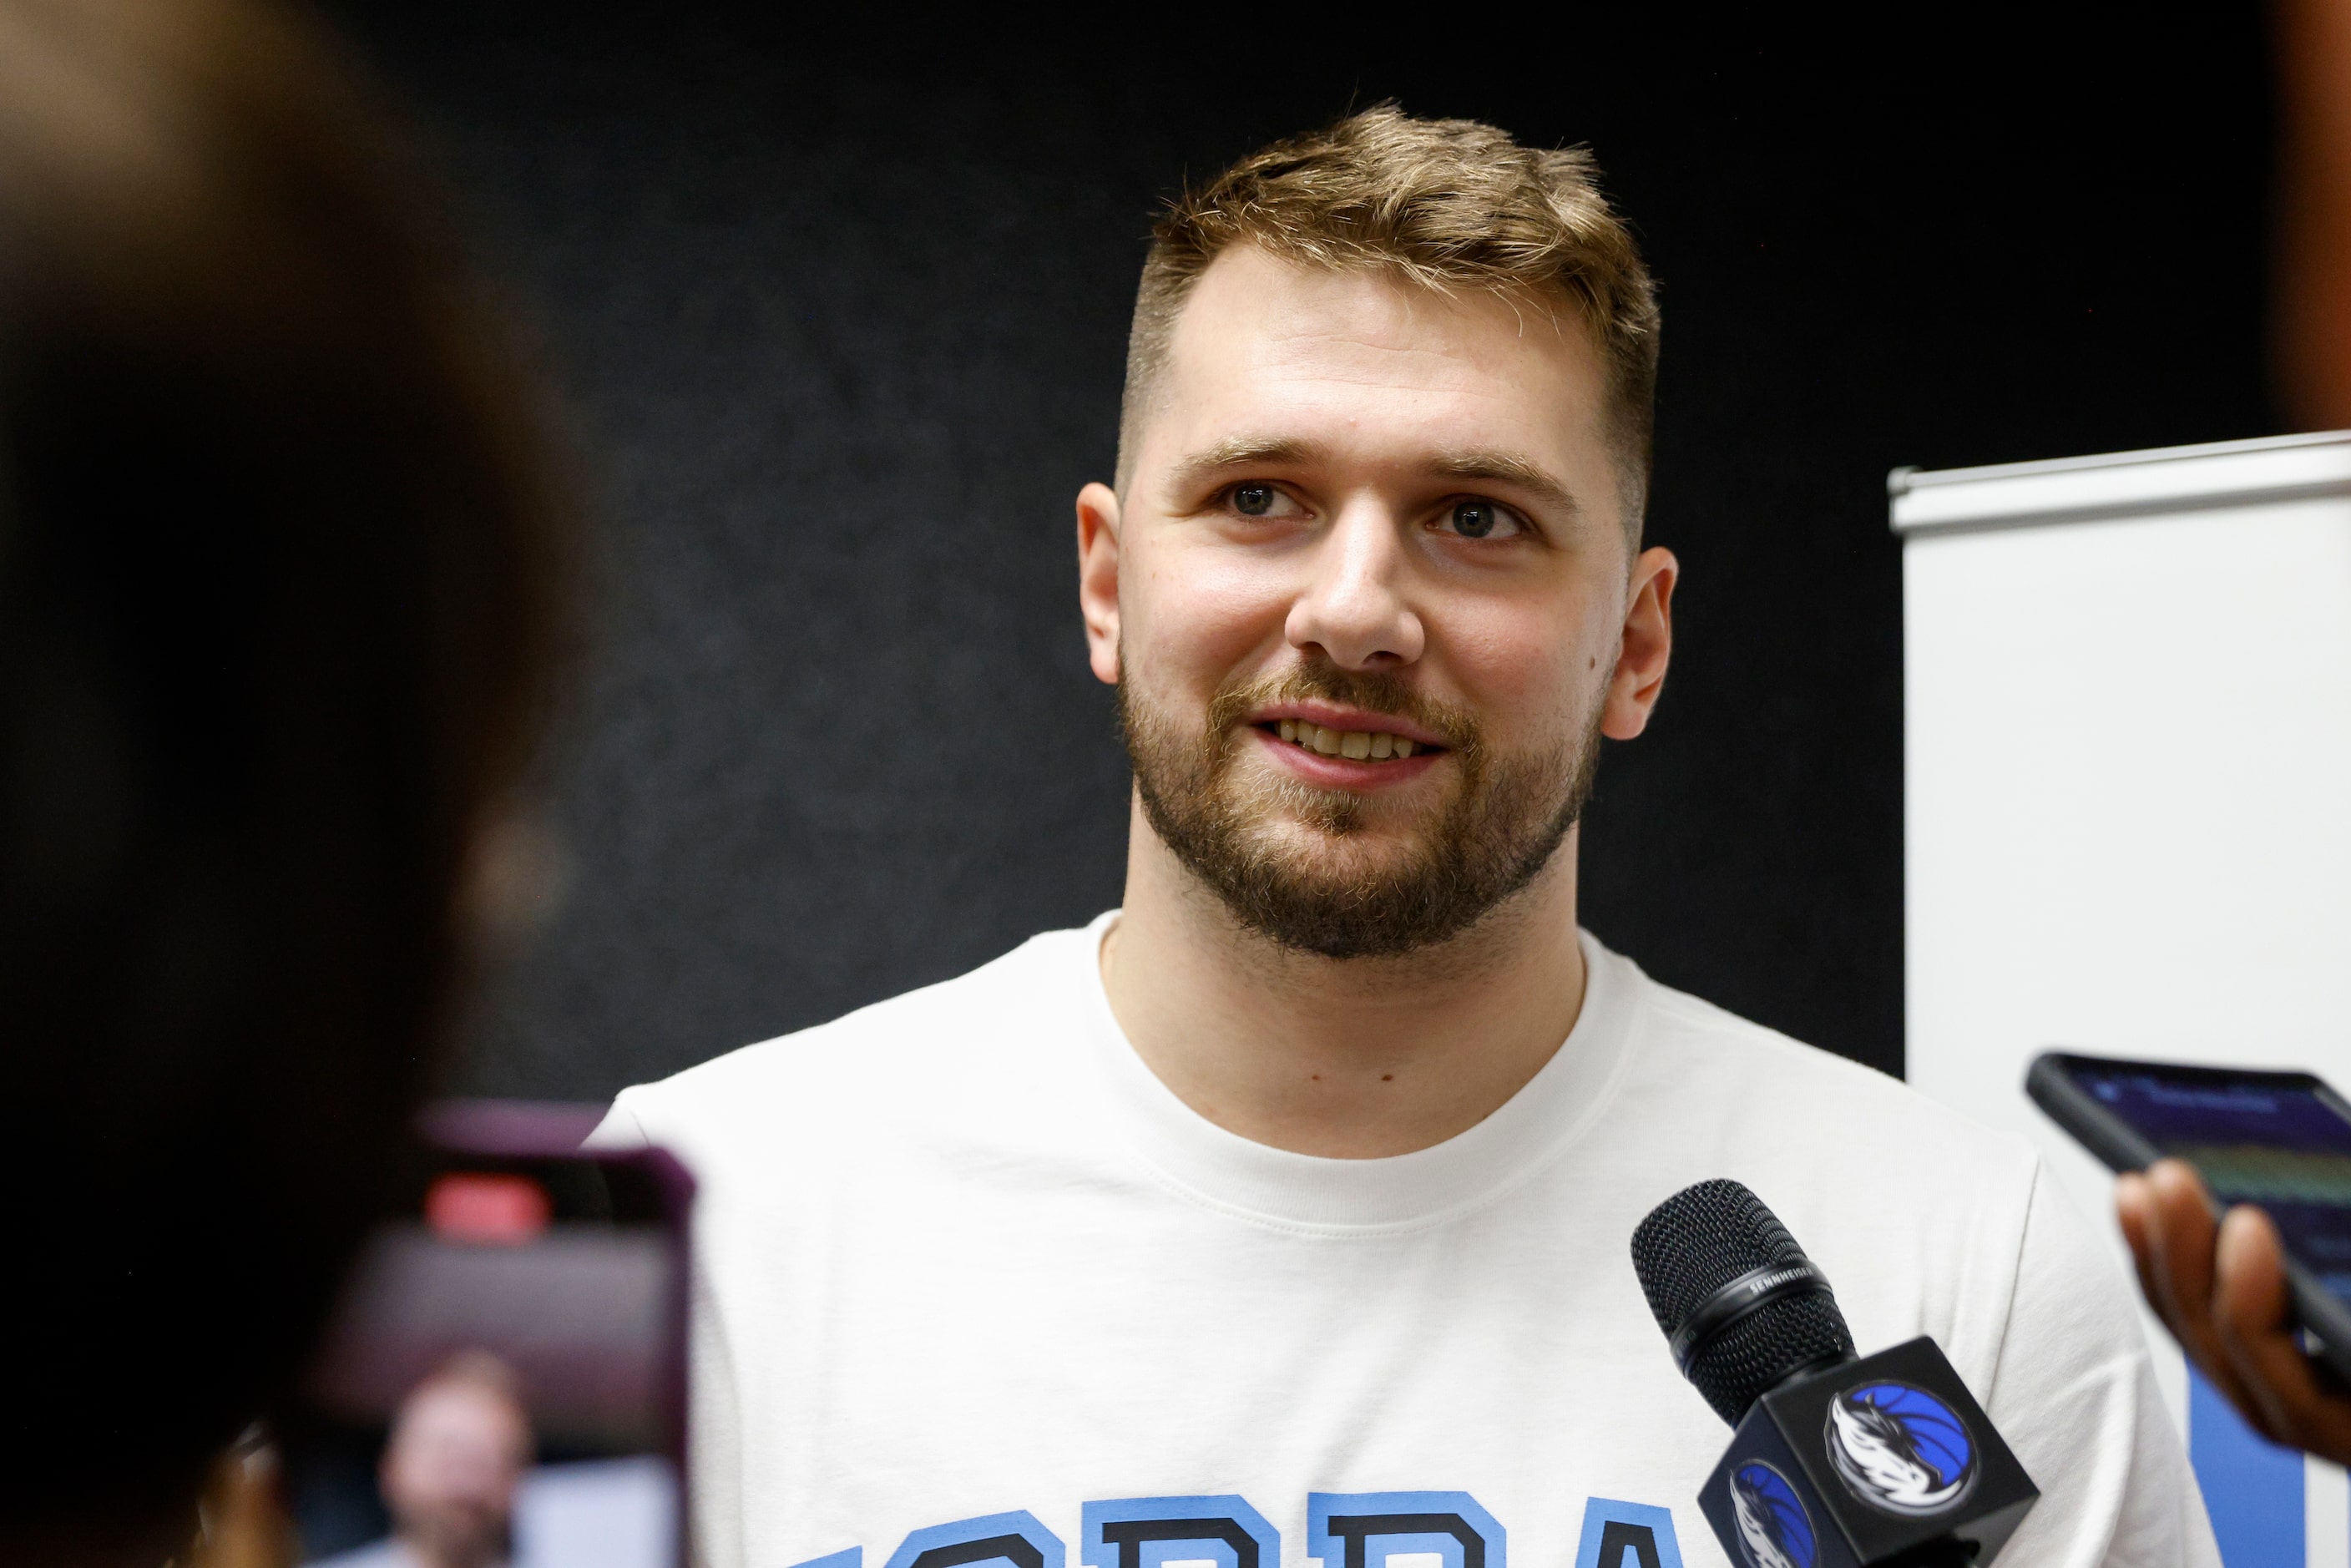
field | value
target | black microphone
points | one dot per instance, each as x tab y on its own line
1837	1461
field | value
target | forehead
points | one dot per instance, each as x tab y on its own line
444	1408
1377	363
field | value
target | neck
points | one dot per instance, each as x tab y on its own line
1345	1057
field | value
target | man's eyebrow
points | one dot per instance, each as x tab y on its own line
1507	468
1240	452
1472	463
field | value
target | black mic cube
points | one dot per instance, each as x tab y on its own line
1859	1465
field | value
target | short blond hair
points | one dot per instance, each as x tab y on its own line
1445	203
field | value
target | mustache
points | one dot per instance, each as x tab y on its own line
1374	690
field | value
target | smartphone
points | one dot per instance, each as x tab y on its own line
2280	1141
504	1379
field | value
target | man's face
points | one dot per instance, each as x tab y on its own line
1365	598
450	1471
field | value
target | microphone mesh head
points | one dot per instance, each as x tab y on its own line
1698	1242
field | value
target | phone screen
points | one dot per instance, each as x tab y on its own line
502	1382
2286	1148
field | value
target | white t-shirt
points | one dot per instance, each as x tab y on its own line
973	1286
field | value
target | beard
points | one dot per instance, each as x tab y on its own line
1334	895
468	1536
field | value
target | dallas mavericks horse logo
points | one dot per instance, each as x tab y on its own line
1774	1531
1900	1448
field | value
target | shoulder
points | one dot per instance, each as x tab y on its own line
1784	1088
1918	1212
1929	1222
945	1049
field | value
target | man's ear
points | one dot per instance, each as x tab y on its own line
1098	577
1646	644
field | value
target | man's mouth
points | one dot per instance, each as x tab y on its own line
1355	745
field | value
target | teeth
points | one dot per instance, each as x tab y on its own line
1355	744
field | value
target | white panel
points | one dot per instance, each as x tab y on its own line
598	1513
2177	478
2325	1516
2130	799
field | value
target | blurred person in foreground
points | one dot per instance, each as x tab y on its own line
279	592
458	1450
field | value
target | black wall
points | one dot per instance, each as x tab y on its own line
839	319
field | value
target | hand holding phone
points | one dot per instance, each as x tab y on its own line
2234	1193
2223	1293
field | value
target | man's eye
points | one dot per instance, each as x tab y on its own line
1482	520
1255	500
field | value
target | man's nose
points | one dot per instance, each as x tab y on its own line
1355	610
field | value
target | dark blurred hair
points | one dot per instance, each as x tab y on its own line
280	588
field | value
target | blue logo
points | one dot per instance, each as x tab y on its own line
1900	1448
1774	1531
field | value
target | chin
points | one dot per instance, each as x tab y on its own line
1310	854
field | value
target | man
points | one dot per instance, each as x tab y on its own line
458	1449
1283	1212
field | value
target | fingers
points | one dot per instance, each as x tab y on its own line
2251	1318
2175	1219
2135	1210
2222	1291
2252	1321
2179	1231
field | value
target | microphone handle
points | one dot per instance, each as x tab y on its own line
1949	1552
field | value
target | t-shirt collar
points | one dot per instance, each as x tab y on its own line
1275	1186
